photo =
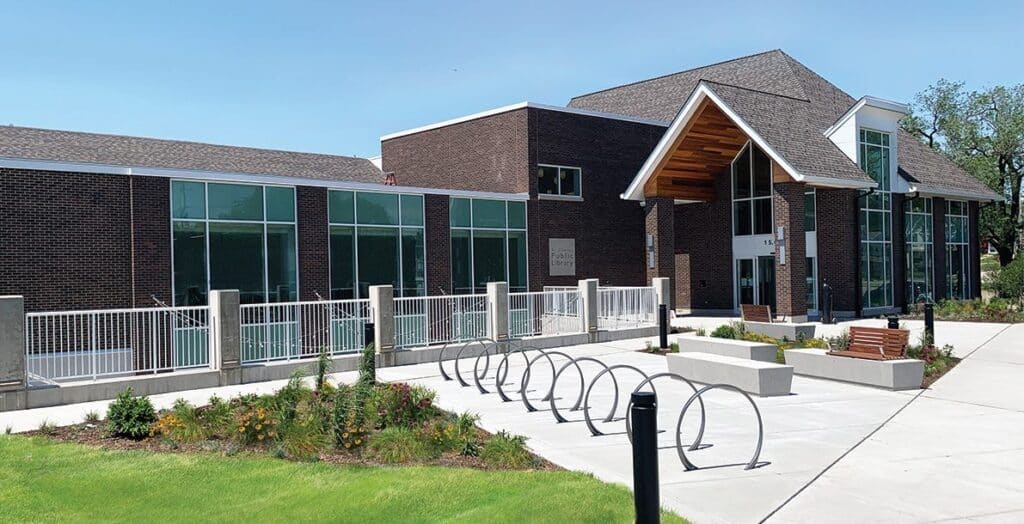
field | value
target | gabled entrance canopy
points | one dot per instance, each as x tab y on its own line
700	144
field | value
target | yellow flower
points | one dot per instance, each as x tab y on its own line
344	435
347	445
241	430
260	437
259	427
270	433
358	442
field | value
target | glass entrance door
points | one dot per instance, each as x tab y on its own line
755	281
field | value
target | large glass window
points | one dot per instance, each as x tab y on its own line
812	284
752	192
376	239
957	252
559	180
876	222
233	236
920	265
810	211
488	244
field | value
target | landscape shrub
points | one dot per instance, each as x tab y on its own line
1008	282
323	368
130	416
303	438
255	425
368	366
840	342
506	451
724	331
402	405
92	417
398	445
47	428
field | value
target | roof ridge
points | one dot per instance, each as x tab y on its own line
690	70
195	142
706	81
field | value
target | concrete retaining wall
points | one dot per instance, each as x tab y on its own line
780	331
896	375
759	351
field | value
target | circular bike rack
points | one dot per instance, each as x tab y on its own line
501	372
586	398
525	380
690	466
483	342
499	347
583	384
700	432
440	362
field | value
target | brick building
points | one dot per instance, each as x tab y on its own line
753	180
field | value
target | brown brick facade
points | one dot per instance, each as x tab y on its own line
66	239
438	244
314	242
703	248
790	270
659	227
151	237
837	246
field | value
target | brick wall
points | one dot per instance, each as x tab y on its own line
837	245
790	277
439	244
66	238
703	248
609	231
899	249
151	223
659	224
485	154
314	242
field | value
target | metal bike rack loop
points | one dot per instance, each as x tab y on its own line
690	466
524	382
700	432
583	384
586	398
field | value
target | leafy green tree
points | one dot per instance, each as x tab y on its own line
983	132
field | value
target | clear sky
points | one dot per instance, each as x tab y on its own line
332	77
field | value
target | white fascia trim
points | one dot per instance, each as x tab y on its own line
77	167
870	101
635	189
931	191
514	107
819	181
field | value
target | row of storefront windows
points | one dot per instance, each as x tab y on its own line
243	236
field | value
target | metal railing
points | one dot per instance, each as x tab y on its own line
75	345
626	307
548	312
428	321
292	330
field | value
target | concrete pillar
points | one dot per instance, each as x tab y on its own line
12	353
226	335
382	311
790	251
588	298
663	290
497	305
660	237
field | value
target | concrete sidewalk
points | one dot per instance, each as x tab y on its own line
955	454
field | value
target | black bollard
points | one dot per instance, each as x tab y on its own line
826	304
369	335
663	326
929	321
894	322
645	458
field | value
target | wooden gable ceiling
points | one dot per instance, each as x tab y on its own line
704	150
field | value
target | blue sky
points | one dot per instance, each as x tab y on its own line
332	77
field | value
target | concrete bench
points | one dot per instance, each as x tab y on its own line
781	330
727	347
896	375
764	379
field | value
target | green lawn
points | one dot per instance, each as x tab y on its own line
41	480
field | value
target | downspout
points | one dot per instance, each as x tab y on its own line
858	302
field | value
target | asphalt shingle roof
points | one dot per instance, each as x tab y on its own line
95	148
789	105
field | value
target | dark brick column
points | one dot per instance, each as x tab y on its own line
659	222
439	244
314	243
151	240
939	248
790	271
974	250
899	258
837	246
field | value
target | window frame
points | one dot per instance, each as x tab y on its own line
965	248
752	199
356	225
927	244
866	212
206	220
559	195
471	228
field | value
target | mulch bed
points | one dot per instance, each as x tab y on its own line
928	381
97	436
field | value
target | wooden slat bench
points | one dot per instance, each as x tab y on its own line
875	343
756	313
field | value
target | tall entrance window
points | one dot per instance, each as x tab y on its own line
755	281
233	236
488	244
376	239
920	263
752	192
876	222
957	258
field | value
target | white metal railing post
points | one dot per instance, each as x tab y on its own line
225	335
382	314
590	302
497	310
13	353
